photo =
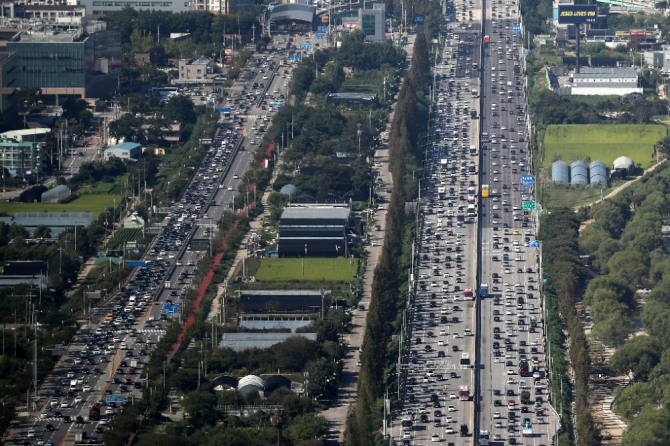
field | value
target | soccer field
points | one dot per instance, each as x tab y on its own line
602	142
311	269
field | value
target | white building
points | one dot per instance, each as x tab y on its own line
605	81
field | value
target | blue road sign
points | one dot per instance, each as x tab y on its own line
322	28
534	244
139	263
294	57
516	29
115	399
276	105
169	309
319	36
527	180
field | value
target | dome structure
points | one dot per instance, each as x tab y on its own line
579	173
623	162
288	189
250	384
560	172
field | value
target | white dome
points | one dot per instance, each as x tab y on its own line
251	380
623	162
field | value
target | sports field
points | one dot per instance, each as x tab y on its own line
314	269
602	142
85	203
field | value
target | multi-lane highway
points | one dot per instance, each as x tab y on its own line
103	366
474	328
513	404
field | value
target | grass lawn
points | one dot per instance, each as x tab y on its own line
85	203
603	142
553	197
326	269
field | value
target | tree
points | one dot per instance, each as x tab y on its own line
631	266
180	108
200	406
307	427
637	356
649	428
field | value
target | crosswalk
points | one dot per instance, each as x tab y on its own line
151	330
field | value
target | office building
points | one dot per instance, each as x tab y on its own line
373	22
194	71
98	8
20	158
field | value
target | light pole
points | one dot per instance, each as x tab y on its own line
359	132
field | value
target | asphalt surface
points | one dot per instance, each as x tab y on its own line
497	247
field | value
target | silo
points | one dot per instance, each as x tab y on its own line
560	172
598	174
579	174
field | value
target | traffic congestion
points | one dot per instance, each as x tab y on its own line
475	369
104	365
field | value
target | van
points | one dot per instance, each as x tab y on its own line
132	299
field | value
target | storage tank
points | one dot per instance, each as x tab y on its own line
598	174
560	172
579	174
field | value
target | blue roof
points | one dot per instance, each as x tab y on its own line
127	146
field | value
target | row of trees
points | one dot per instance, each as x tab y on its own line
627	251
387	300
566	276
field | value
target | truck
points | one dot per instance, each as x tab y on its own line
484	438
527	429
487	40
467	294
483	289
525	397
94	412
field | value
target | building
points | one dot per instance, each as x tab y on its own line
52	13
27	135
57	222
285	309
98	8
239	341
126	151
292	17
605	81
21	158
223	6
56	195
194	71
622	167
133	221
65	61
373	22
351	98
313	230
7	81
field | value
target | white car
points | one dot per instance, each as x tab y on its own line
78	399
435	438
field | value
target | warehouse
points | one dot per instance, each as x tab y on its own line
313	230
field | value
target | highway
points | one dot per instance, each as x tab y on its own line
476	234
103	365
510	318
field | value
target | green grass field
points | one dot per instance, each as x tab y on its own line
603	142
315	269
85	203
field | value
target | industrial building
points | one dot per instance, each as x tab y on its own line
605	81
56	195
57	222
313	230
125	151
579	173
285	309
292	17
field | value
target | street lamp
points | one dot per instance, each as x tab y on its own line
359	132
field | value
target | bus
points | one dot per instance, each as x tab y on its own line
485	190
472	212
483	289
467	294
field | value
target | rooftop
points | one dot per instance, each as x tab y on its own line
316	212
606	72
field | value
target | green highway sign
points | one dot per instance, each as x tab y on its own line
528	205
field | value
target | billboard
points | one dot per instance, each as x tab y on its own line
574	14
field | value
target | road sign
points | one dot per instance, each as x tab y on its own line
516	29
534	244
115	399
294	57
322	28
305	46
319	36
528	205
527	180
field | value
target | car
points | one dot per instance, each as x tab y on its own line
435	438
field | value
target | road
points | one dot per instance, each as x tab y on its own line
103	365
511	318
